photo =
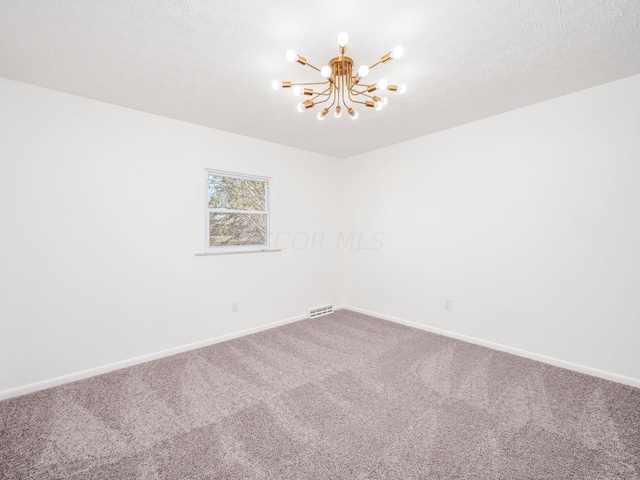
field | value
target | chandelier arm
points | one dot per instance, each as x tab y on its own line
334	100
331	95
312	66
321	101
355	101
365	84
366	95
384	59
363	92
344	101
309	83
318	94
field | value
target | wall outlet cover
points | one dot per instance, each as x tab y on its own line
448	304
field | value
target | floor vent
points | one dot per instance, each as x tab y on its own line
320	311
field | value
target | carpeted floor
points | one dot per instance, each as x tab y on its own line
344	396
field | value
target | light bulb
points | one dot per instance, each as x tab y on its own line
291	55
363	71
338	112
397	52
320	116
402	89
300	107
378	106
383	83
354	116
343	38
326	71
383	101
297	90
275	85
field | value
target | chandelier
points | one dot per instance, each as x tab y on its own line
344	87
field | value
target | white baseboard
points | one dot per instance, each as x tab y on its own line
72	377
614	377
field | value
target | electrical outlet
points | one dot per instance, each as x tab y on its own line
235	307
448	304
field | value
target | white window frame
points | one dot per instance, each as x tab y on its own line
236	248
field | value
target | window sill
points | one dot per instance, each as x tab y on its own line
234	252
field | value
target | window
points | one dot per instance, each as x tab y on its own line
238	216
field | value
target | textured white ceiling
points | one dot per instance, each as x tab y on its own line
211	62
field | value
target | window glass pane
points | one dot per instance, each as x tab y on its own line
237	229
236	193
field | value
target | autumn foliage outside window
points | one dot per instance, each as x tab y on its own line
237	210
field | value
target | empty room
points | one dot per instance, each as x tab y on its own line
306	241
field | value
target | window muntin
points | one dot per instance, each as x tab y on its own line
238	216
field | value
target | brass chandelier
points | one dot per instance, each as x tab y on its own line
344	87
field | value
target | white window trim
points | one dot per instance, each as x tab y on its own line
231	249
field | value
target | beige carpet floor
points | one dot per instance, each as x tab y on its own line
344	396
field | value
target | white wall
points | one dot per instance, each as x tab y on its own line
101	213
529	221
